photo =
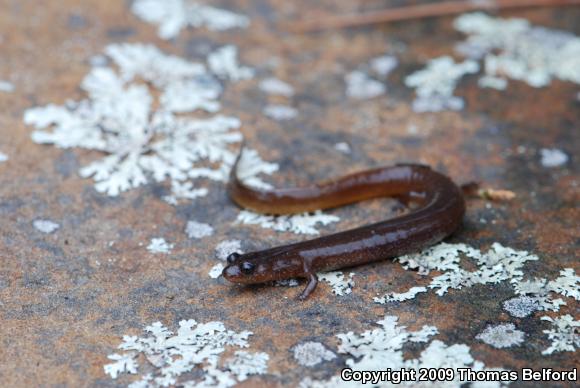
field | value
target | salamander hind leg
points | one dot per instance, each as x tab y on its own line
311	286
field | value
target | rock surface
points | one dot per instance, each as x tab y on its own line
67	298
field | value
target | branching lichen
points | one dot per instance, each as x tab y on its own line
145	138
174	15
340	285
496	265
299	223
543	290
565	335
513	48
382	349
436	83
195	347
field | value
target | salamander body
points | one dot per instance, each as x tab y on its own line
440	213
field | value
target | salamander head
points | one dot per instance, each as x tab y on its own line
260	267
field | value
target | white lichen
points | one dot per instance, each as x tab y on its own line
553	157
543	290
195	347
3	157
494	266
226	247
251	166
198	230
384	65
159	245
244	364
441	257
276	86
436	83
6	87
183	190
216	271
565	334
381	345
502	336
172	16
124	363
311	353
383	349
298	224
287	283
567	284
224	63
189	96
400	297
492	82
521	306
360	86
280	112
513	48
343	147
45	226
340	285
144	139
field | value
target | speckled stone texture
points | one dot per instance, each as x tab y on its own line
67	297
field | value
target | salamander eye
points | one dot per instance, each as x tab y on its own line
232	257
247	267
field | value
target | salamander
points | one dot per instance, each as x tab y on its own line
439	213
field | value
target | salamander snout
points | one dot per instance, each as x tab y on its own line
232	272
239	272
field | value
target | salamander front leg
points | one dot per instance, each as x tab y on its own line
312	282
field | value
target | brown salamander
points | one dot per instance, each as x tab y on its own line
440	212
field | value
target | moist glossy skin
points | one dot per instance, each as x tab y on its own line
439	214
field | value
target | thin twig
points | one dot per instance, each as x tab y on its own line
419	11
473	189
496	195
